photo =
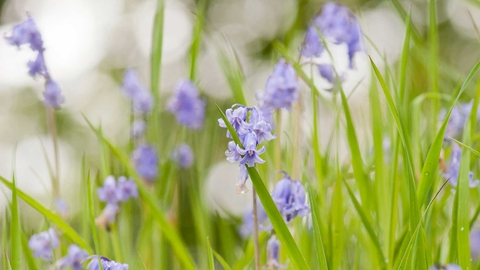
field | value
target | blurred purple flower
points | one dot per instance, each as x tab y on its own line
42	244
273	247
187	106
108	193
458	117
138	128
250	153
183	156
26	32
53	95
107	216
141	98
445	267
145	161
475	244
453	167
37	67
282	88
126	189
327	72
337	25
74	258
62	206
106	264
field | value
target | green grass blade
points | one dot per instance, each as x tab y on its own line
338	224
271	209
368	226
211	262
321	257
16	244
27	253
148	198
91	213
156	54
197	33
62	225
221	260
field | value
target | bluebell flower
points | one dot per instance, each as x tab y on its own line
74	258
327	72
141	98
183	156
26	33
261	126
62	206
456	122
475	244
126	189
107	216
248	223
337	25
138	128
241	180
108	193
106	264
250	153
453	167
282	88
273	247
445	267
145	160
237	116
42	244
187	106
232	154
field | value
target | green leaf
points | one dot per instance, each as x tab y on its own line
271	209
27	253
91	213
61	224
321	257
16	248
221	260
197	33
211	263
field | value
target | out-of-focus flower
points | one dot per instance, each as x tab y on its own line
145	160
248	223
62	206
141	98
337	25
242	180
27	33
273	247
475	244
107	216
108	193
445	267
453	167
327	72
106	264
282	88
187	106
126	189
138	128
74	258
457	119
183	155
42	244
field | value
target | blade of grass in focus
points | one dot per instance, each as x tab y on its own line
271	209
197	33
91	213
321	257
61	224
15	231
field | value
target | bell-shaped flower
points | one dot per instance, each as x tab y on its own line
126	189
26	33
42	244
273	247
250	153
74	258
108	193
282	88
183	155
187	106
237	116
53	95
107	264
145	160
241	180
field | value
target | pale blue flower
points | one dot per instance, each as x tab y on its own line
445	267
183	156
475	244
26	33
107	216
53	95
108	193
282	88
453	167
42	244
141	98
138	128
261	126
327	72
187	106
74	258
237	116
37	67
106	264
273	247
126	189
145	161
457	120
250	153
241	180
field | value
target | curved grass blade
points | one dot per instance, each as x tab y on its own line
221	260
321	257
62	225
168	231
211	263
91	214
16	245
197	33
274	215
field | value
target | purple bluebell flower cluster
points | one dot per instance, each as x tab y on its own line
114	193
141	98
145	160
27	33
74	258
183	155
282	88
187	106
290	198
336	24
457	119
42	244
453	167
273	247
106	264
251	131
451	266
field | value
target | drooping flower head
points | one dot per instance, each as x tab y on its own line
141	98
250	152
282	88
74	258
27	33
145	160
42	244
106	264
187	106
237	116
107	216
453	167
337	25
273	247
183	156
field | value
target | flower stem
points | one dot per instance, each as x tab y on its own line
255	231
52	128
